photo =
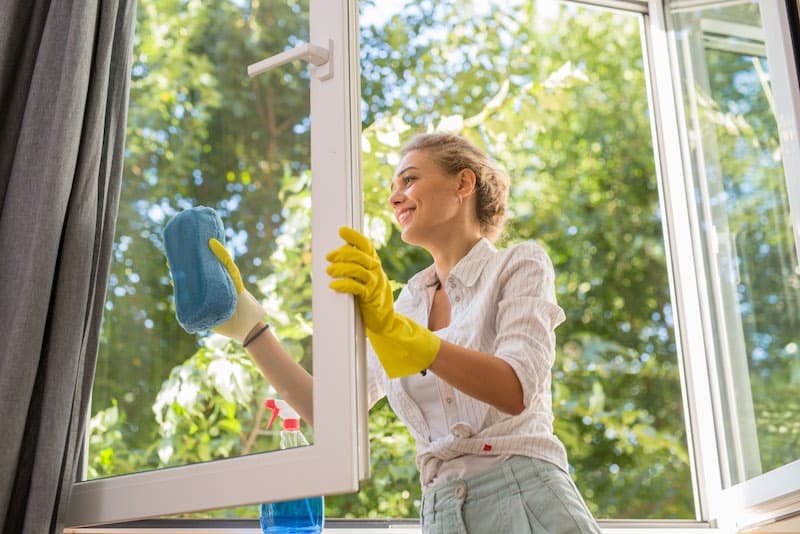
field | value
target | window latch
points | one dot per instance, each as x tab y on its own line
320	58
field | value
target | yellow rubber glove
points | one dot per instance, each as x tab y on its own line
403	346
248	310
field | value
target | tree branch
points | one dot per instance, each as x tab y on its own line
251	437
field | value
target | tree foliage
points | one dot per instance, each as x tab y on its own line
557	96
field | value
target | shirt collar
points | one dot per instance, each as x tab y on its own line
466	271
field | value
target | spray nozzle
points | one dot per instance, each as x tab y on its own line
280	408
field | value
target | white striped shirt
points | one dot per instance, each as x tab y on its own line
502	303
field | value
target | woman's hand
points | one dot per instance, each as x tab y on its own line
403	346
248	311
357	270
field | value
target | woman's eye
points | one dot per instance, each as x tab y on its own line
407	179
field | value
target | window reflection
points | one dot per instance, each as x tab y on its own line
200	132
745	224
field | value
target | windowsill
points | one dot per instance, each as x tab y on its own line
346	526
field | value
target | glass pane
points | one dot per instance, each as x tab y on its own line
200	132
556	94
745	225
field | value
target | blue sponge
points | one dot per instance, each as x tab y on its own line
204	293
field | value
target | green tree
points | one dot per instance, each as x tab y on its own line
558	98
189	142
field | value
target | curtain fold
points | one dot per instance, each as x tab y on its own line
64	80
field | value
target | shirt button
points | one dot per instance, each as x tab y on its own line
449	400
462	430
461	490
458	298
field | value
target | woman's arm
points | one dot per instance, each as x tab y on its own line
524	340
291	381
482	376
526	316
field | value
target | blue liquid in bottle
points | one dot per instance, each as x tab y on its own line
300	516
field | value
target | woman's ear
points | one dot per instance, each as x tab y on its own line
467	181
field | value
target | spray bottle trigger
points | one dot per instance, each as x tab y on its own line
273	407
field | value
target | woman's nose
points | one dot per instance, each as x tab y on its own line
396	197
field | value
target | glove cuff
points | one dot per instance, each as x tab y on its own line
405	348
248	313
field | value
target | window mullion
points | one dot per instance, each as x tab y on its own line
684	260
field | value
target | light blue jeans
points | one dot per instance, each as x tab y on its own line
520	496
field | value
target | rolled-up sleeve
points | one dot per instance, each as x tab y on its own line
527	316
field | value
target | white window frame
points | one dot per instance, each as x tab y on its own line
339	456
774	494
673	169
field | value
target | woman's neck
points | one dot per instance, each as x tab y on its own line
450	253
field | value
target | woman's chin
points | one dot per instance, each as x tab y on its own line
408	235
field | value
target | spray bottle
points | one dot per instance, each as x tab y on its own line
300	516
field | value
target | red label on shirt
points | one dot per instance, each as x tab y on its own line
487	447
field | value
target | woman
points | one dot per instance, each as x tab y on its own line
464	355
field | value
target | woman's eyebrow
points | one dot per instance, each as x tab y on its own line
404	170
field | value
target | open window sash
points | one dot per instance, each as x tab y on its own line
733	489
776	493
338	458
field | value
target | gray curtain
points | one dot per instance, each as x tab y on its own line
64	78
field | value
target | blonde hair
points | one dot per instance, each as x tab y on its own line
453	154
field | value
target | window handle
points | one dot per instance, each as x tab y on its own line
321	60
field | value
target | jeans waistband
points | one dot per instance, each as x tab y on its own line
504	477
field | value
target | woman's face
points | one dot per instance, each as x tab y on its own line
424	199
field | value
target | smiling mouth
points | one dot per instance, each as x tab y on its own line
404	215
